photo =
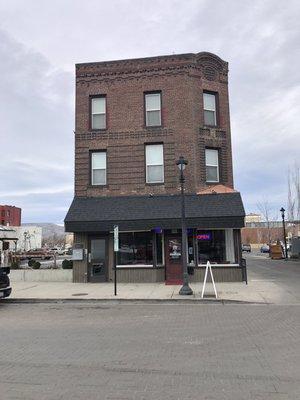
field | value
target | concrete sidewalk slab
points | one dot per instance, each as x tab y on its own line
257	291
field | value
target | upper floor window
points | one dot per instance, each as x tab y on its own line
154	163
209	105
98	168
98	112
153	109
212	165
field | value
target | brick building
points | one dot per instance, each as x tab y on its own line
10	215
134	119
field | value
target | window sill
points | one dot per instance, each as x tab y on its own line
211	127
97	186
218	265
139	266
153	127
154	183
104	130
212	183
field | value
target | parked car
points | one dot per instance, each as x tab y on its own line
5	289
69	251
246	247
265	248
57	250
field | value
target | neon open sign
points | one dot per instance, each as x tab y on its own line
204	236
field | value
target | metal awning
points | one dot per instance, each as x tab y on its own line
7	233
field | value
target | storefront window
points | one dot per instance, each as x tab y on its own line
211	246
159	248
135	248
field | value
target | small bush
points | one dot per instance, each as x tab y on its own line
67	264
15	264
36	265
31	263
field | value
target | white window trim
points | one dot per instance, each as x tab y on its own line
211	109
98	113
136	266
155	165
153	109
213	165
100	169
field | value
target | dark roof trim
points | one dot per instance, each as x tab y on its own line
200	223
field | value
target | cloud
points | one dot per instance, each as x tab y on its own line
259	39
36	115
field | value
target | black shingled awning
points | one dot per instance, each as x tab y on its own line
100	214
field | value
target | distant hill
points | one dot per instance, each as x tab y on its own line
49	229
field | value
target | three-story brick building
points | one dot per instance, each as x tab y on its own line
134	119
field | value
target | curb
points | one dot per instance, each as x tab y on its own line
132	301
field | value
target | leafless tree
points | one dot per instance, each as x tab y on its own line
291	199
265	209
294	193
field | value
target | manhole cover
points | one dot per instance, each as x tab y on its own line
80	294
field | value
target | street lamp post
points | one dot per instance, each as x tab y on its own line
282	210
185	289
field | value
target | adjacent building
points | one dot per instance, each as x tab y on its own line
134	119
10	215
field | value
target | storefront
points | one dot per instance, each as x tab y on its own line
150	237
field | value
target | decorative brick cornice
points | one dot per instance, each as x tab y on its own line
212	68
157	132
213	133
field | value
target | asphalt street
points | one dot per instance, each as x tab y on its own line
284	273
118	351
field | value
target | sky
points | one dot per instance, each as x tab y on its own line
40	41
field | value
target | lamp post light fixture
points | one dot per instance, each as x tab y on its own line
282	210
185	289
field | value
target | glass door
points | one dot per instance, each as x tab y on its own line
97	260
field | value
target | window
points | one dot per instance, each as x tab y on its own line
154	163
98	168
138	248
159	249
209	105
153	109
212	165
211	246
98	112
135	248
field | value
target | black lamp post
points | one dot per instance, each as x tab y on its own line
282	210
185	289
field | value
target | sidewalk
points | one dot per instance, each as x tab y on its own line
257	291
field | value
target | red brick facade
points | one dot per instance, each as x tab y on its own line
10	215
181	80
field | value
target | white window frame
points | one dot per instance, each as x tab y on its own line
212	165
101	169
214	110
99	113
147	146
152	109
